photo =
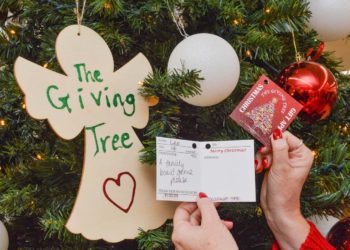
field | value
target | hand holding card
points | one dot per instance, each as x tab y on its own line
222	169
265	108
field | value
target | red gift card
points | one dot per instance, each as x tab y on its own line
265	108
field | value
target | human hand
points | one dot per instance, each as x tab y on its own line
199	227
288	165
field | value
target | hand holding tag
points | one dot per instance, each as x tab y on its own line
265	108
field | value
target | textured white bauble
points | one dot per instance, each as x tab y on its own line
4	237
330	18
324	224
217	61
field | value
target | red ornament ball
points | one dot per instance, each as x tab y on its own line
311	84
339	235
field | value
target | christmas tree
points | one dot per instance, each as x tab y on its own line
40	173
262	117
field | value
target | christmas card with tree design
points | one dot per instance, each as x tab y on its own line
266	107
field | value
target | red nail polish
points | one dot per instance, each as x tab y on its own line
277	134
265	162
259	169
202	195
256	162
261	148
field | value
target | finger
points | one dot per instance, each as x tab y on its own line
196	217
183	212
262	162
180	237
263	190
266	161
217	204
280	149
177	245
294	142
257	163
299	153
264	150
208	211
228	224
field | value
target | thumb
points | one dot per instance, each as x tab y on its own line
208	211
280	149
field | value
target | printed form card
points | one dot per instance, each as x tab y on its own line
224	170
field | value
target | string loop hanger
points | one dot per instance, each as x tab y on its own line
298	56
80	15
178	19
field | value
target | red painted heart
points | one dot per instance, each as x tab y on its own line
117	182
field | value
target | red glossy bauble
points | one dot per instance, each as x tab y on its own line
339	235
313	85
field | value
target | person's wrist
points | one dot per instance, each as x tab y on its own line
290	229
282	214
281	220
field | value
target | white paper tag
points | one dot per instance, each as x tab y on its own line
224	170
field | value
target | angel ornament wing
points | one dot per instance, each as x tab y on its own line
116	194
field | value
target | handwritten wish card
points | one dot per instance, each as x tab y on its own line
265	108
224	170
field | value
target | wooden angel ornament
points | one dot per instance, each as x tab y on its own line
117	193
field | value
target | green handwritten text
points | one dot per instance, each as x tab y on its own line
88	75
63	99
106	142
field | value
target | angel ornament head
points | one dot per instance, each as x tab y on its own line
116	194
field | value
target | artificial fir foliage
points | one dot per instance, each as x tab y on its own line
40	173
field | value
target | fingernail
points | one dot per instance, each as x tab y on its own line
229	221
261	149
259	169
265	162
256	162
202	195
277	134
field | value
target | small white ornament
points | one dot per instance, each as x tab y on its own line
330	19
4	237
217	61
324	224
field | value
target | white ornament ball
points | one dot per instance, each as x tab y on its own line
324	224
330	18
218	64
4	237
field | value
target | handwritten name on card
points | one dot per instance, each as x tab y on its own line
222	169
